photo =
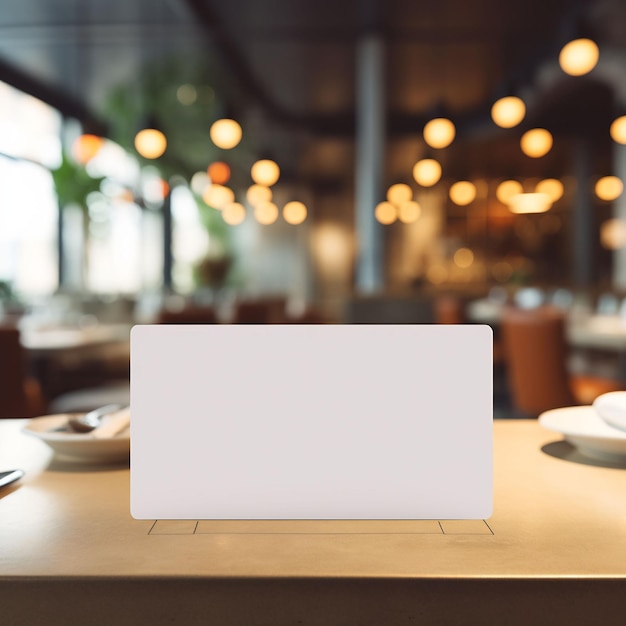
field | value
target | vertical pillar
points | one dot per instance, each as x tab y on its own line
167	243
60	247
582	225
370	154
619	212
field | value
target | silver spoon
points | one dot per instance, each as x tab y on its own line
88	422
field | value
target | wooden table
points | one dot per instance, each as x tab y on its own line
53	351
554	551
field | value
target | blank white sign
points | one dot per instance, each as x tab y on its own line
311	422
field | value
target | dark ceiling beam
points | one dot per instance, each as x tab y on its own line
66	104
240	68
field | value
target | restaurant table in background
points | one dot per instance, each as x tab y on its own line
554	546
65	358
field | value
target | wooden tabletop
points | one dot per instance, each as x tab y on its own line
558	521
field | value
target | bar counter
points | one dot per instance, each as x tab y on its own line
554	551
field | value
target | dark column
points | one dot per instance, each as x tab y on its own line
60	247
370	155
582	223
167	243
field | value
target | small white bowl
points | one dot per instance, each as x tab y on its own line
611	407
53	430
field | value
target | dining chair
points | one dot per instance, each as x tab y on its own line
20	395
187	315
449	309
269	310
536	355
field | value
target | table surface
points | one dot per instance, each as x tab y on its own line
555	516
55	339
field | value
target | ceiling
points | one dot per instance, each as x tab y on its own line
287	69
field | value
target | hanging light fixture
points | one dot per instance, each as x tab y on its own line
258	193
399	193
427	172
218	196
265	172
439	132
463	258
225	133
579	56
409	212
266	213
463	192
233	213
530	203
219	172
507	189
86	147
613	234
552	187
508	112
536	142
150	143
609	188
386	213
294	213
618	130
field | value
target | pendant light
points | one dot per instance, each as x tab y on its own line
508	111
427	172
294	213
225	133
439	132
579	56
265	172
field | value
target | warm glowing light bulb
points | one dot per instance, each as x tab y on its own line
409	212
218	196
530	203
233	213
427	172
386	213
86	147
265	172
536	142
219	172
266	213
258	193
613	234
552	187
439	133
399	193
507	189
225	133
463	193
618	130
508	112
463	258
294	213
150	143
579	57
609	188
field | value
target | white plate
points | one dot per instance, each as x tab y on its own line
611	407
54	431
586	430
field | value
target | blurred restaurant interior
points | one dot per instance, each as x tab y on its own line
290	161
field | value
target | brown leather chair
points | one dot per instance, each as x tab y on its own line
449	309
264	311
188	315
536	359
20	396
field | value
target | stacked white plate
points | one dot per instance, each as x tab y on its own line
598	431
